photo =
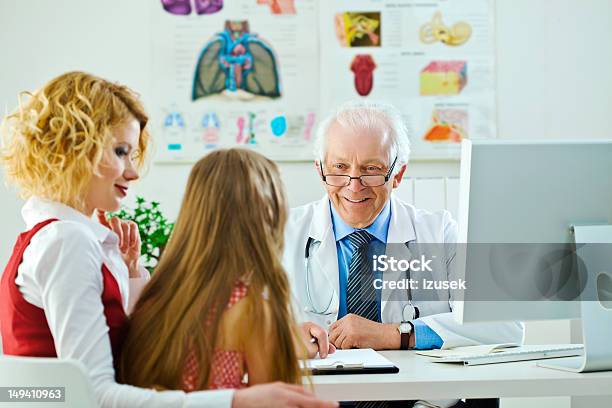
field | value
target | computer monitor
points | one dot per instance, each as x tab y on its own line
523	197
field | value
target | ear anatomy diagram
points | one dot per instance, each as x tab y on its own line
435	30
236	63
183	7
443	78
358	29
363	66
280	6
448	125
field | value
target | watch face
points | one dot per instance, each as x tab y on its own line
404	327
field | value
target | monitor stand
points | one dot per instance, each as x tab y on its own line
596	317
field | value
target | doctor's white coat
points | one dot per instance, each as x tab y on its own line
309	231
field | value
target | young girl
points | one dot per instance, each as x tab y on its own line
74	148
217	306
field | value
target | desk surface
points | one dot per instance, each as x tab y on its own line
419	378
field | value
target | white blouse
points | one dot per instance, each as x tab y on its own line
61	273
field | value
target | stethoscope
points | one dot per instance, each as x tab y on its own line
327	309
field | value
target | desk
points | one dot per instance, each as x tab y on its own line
420	379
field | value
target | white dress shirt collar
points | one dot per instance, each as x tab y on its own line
38	209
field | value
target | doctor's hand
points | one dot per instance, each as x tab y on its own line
278	395
321	344
354	331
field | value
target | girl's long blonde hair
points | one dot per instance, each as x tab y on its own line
230	227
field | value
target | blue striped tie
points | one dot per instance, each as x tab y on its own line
360	292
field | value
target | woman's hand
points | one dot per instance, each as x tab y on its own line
129	240
278	395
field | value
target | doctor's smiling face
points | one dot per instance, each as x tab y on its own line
358	152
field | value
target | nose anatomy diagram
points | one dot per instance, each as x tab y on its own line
448	125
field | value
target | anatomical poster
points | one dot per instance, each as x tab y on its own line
235	73
434	60
262	73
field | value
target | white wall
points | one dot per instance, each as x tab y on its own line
553	75
554	61
42	39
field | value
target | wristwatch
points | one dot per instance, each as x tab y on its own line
405	328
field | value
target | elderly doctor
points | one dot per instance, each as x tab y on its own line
362	151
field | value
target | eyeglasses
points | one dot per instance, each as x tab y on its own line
366	180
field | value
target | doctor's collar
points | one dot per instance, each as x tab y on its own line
379	228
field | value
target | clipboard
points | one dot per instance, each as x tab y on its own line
355	361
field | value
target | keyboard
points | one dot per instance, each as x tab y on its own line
522	353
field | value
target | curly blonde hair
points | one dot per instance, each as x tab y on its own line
54	141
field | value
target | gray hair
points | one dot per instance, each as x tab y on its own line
375	116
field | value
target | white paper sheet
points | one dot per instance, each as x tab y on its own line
366	358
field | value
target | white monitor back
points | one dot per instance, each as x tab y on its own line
528	192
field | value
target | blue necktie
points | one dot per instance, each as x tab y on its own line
360	292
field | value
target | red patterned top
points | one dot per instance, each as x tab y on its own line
228	367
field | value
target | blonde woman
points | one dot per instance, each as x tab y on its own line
73	148
218	305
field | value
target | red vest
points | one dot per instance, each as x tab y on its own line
24	327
